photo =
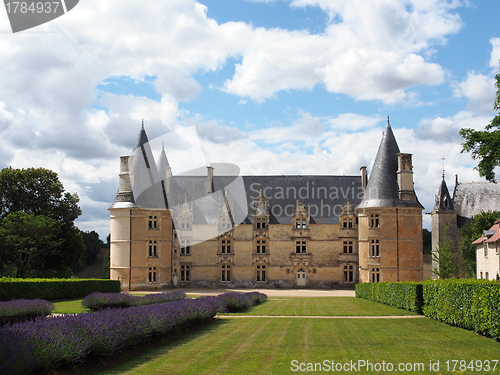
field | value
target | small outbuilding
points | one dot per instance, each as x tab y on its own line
487	257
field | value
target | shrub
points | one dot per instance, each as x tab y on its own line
99	301
404	295
54	289
47	343
22	309
466	303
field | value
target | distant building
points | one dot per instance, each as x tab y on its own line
451	213
487	257
290	231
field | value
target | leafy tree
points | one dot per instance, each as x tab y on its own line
93	246
28	239
38	191
485	145
105	266
471	232
444	258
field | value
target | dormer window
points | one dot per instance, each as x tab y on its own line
347	223
300	224
260	223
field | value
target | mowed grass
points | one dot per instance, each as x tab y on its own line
323	306
269	345
69	307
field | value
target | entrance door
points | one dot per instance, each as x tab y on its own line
301	277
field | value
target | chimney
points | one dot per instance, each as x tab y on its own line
405	178
126	179
210	179
364	177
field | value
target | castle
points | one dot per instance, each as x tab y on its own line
224	230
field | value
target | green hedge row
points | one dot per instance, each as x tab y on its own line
470	304
404	295
54	289
466	303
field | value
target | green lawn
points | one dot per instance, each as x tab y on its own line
269	345
331	306
69	307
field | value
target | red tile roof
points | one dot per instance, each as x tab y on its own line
493	238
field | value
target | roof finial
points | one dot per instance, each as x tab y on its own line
388	120
142	124
443	159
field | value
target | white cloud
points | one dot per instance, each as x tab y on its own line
495	53
371	50
479	90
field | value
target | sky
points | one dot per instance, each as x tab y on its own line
273	86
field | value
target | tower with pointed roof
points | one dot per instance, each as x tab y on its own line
390	218
444	224
140	251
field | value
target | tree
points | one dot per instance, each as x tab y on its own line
27	239
93	246
444	258
38	191
471	232
485	145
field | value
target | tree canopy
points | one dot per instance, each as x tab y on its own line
38	193
444	258
485	145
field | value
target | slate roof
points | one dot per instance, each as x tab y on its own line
443	199
471	198
382	189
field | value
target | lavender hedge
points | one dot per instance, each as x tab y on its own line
98	301
23	309
47	343
238	301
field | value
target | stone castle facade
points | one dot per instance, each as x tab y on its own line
282	232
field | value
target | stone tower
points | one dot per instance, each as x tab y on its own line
390	218
444	224
141	233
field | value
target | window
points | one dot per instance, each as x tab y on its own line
260	247
374	221
301	224
225	247
153	222
486	250
185	248
152	250
226	272
300	247
348	247
225	223
185	223
375	275
481	275
152	275
261	273
260	223
348	274
487	276
347	223
184	273
375	248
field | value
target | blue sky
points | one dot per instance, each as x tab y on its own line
275	87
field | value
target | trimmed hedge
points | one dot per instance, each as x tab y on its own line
54	289
404	295
20	310
465	303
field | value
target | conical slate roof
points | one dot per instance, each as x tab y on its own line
163	164
443	199
382	188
